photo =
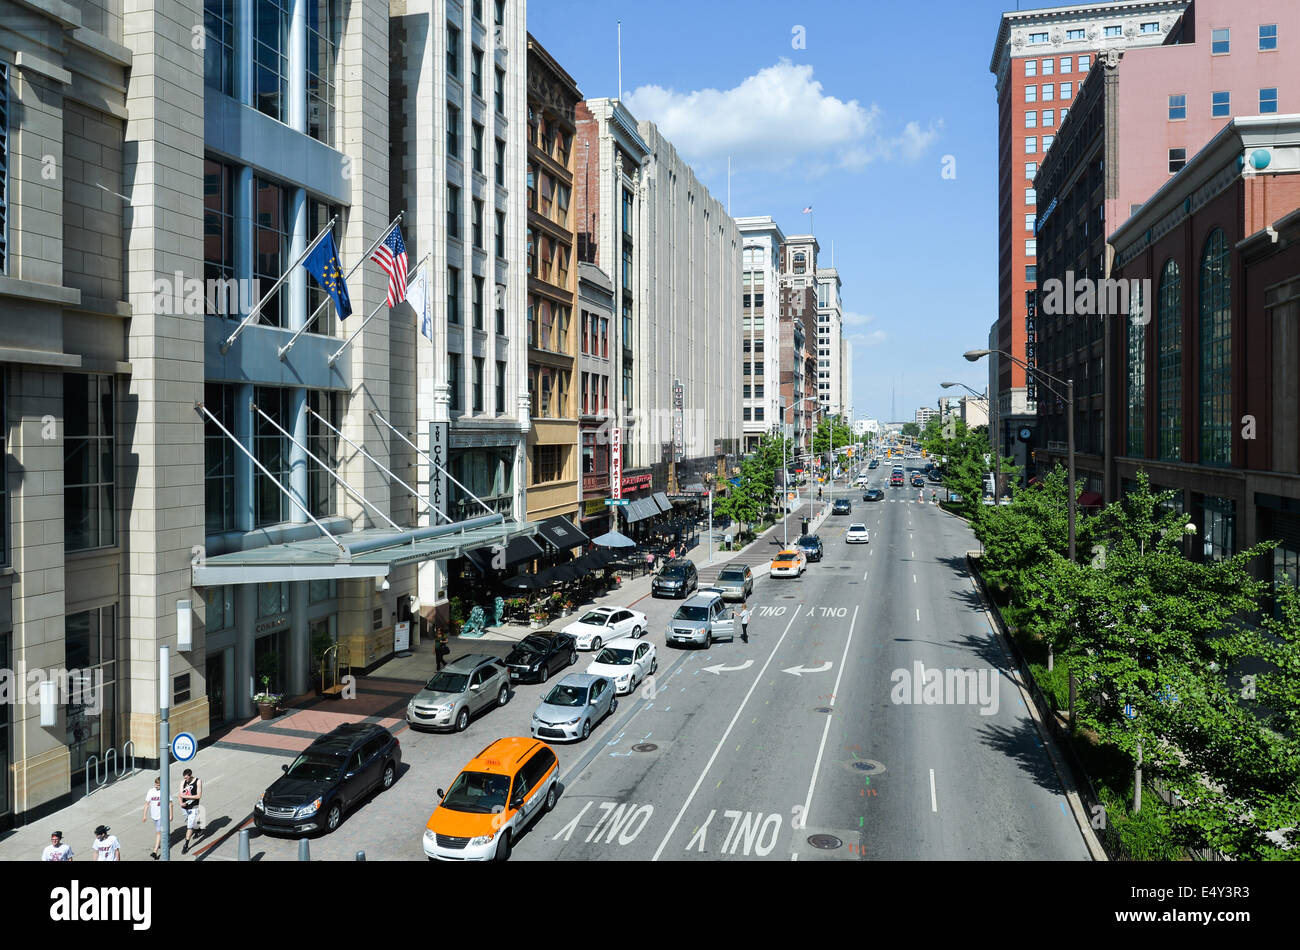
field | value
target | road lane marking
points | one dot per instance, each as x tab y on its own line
708	765
934	803
807	804
918	614
913	578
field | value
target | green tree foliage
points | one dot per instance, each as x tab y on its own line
911	429
752	498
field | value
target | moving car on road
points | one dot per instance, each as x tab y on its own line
702	619
538	655
468	685
601	624
329	777
896	480
873	494
842	506
791	563
626	663
678	578
811	546
499	793
736	582
874	463
573	707
857	534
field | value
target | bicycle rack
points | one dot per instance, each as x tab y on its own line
99	782
114	766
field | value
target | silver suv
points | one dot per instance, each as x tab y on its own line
736	582
702	619
466	686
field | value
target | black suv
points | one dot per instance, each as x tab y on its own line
842	506
811	546
538	655
677	578
329	777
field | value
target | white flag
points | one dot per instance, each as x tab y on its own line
417	295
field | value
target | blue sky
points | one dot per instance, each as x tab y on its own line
856	123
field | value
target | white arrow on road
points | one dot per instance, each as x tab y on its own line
800	670
719	668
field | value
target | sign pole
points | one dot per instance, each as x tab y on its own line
164	749
710	527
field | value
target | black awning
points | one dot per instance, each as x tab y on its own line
518	550
639	509
561	534
662	501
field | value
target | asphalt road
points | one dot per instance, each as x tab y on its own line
792	746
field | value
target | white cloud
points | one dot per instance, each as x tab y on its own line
851	319
775	117
874	338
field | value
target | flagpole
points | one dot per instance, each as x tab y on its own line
257	307
321	306
348	342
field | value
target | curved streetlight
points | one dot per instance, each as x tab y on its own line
997	448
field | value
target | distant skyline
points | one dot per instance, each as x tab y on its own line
850	109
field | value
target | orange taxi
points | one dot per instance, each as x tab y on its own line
791	563
495	797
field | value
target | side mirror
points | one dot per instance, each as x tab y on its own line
474	686
285	768
441	794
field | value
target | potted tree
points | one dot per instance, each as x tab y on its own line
267	702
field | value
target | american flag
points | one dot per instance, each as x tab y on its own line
391	256
807	210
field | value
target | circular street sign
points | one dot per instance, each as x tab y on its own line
184	747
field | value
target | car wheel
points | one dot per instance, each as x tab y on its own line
655	667
462	720
573	657
550	798
333	816
636	633
503	846
586	728
613	706
708	640
389	774
595	644
503	697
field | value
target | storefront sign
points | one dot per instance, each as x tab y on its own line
593	506
616	462
634	483
402	637
438	477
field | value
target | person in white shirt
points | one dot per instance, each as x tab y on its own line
106	846
56	850
153	809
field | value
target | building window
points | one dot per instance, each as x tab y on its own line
1031	67
1074	34
1064	113
1137	378
501	234
1031	145
220	456
1067	66
324	445
476	225
1031	169
453	211
1267	37
478	302
218	226
220	614
501	163
88	462
1031	120
1029	221
501	310
1049	66
476	148
1169	342
1267	100
1049	91
453	380
1067	89
1031	273
453	295
499	92
499	14
501	388
1047	141
627	212
1220	516
1216	351
1031	247
90	647
1153	27
1178	106
318	302
746	414
453	131
1220	41
219	51
476	72
1031	94
271	241
477	383
1085	63
548	463
1177	159
322	54
271	448
1221	104
1037	37
1049	118
453	51
627	265
271	59
1114	31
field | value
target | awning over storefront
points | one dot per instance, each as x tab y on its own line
662	501
518	550
372	552
695	488
1090	499
561	534
639	509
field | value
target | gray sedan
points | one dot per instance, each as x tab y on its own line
573	707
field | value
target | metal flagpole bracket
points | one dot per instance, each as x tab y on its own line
425	455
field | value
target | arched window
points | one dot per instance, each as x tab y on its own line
1138	316
1216	352
1169	342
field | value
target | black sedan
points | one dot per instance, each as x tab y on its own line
842	506
331	776
538	655
811	546
873	494
874	463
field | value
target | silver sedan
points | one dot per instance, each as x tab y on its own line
574	706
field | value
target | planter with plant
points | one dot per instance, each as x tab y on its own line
267	702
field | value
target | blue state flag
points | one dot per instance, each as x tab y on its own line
323	264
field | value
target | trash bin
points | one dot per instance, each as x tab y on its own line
803	525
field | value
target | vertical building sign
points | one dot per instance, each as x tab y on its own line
438	477
616	462
679	426
1031	340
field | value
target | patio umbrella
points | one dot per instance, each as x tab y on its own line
522	582
613	539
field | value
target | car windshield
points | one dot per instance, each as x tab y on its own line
445	682
478	792
691	613
534	644
809	541
857	527
732	574
677	572
615	657
787	555
567	695
314	768
596	618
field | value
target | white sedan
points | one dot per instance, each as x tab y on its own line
857	534
601	625
626	662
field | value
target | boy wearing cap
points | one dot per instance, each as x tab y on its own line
56	850
106	845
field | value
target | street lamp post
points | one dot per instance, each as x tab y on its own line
995	444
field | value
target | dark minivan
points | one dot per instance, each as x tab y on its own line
811	546
677	579
329	777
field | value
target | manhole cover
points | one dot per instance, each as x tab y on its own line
825	842
789	597
644	747
822	709
867	766
860	766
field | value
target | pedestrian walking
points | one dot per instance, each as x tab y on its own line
440	647
745	614
153	809
191	792
56	850
106	846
